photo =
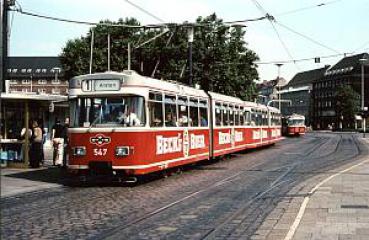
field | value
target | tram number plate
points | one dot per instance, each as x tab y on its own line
100	151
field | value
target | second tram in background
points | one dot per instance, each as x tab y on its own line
293	125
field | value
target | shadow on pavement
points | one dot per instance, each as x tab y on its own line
48	175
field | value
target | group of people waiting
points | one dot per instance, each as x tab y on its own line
37	137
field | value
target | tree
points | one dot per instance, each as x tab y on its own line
221	60
347	105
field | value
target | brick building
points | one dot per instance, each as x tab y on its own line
42	75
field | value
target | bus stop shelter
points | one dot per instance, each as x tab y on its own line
17	111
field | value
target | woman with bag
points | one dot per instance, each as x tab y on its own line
36	146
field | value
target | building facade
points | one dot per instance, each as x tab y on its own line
298	91
347	72
268	90
41	75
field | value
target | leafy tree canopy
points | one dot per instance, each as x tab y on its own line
347	103
221	60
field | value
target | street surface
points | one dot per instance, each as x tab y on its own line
227	199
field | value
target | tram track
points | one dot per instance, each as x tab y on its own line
280	183
64	203
220	228
275	184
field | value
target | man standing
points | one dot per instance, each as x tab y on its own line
66	141
58	143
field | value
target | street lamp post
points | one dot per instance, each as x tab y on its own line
279	65
363	62
190	40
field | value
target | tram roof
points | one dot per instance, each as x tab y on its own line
225	98
296	116
133	79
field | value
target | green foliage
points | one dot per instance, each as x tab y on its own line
217	62
347	104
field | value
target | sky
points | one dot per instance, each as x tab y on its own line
338	27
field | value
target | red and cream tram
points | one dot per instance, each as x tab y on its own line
130	125
293	125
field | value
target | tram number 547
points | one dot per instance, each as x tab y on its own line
100	151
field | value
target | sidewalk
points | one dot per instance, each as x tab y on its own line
334	208
16	181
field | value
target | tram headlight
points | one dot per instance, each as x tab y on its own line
79	151
122	151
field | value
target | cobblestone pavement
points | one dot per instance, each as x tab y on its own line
229	199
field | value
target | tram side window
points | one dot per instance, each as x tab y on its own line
156	109
253	118
259	118
242	116
236	116
226	111
194	112
170	111
278	119
203	108
183	119
265	118
231	115
218	114
247	118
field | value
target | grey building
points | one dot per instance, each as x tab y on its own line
298	90
267	90
347	72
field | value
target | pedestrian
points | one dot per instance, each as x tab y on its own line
36	145
58	143
66	141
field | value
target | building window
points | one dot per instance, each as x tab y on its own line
9	70
13	81
41	90
25	90
26	81
44	70
38	70
55	91
15	70
23	70
42	81
29	70
55	81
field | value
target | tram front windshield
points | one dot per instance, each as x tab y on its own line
126	111
296	122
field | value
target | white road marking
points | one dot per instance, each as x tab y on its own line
304	204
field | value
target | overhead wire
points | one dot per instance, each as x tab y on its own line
323	4
156	25
145	11
362	46
186	24
306	37
272	20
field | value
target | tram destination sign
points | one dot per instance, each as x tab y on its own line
107	85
